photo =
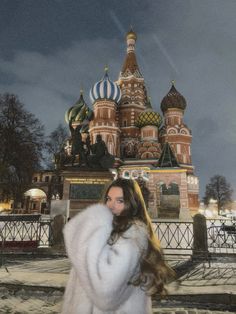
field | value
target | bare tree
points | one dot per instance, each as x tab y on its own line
220	190
21	138
55	144
55	153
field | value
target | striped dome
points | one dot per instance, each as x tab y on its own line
105	89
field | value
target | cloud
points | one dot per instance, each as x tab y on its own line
49	84
191	42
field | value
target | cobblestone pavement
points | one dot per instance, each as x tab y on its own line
51	304
187	311
216	274
35	286
24	302
48	265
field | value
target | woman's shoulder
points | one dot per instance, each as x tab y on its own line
138	234
138	229
139	224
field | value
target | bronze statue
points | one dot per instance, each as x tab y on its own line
100	157
77	145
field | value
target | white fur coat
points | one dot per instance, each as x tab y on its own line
98	279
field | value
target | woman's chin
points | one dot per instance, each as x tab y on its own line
115	213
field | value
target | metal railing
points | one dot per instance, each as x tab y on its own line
221	235
25	231
176	237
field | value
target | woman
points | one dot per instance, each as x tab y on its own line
117	262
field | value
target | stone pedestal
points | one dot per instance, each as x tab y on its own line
57	227
84	187
200	246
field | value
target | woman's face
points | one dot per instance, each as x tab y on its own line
115	200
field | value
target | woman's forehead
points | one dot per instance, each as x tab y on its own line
116	191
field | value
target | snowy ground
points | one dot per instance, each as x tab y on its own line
35	286
24	303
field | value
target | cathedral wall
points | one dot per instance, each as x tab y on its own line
176	138
156	178
193	201
130	132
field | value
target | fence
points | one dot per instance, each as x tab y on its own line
200	236
24	232
176	237
221	236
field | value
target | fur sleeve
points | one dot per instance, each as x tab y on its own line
81	227
111	267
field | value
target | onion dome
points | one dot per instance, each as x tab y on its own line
131	35
173	99
148	117
105	89
79	113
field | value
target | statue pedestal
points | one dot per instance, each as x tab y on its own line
84	187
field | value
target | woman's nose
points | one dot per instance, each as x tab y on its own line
111	204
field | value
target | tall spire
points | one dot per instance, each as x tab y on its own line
130	66
131	38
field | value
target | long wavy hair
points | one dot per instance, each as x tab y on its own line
154	271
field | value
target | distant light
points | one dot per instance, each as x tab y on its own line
212	201
35	193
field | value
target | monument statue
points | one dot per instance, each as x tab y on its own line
100	157
77	145
60	158
95	156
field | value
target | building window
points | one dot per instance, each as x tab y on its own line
47	179
35	179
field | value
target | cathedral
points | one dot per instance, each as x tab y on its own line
152	148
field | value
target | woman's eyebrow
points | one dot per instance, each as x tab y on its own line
117	198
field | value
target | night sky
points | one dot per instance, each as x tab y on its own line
50	49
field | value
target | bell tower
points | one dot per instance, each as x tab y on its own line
133	99
174	131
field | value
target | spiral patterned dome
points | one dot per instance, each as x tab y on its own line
79	113
105	89
148	117
173	99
